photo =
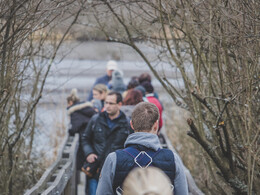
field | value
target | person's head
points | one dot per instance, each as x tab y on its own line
133	97
149	181
111	66
73	97
144	77
132	83
145	118
99	91
113	104
148	87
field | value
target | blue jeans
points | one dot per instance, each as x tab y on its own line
92	186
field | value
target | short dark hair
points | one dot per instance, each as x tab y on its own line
144	116
144	77
132	83
118	96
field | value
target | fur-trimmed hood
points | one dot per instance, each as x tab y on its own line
78	106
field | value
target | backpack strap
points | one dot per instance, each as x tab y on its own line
142	159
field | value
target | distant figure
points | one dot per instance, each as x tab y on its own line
117	82
80	113
142	90
131	85
105	133
111	66
150	181
152	99
100	92
142	149
146	77
132	98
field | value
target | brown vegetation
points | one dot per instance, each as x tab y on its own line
28	48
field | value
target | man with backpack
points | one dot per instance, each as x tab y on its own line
142	149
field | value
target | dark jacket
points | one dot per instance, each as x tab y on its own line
100	140
80	114
101	80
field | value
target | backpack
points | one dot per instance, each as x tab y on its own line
142	159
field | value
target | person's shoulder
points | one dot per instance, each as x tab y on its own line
111	158
99	117
168	153
124	117
78	106
102	79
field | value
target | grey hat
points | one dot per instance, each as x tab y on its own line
141	88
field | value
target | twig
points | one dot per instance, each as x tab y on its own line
204	102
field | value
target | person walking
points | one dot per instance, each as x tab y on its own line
152	99
110	67
142	149
105	133
80	114
132	98
99	93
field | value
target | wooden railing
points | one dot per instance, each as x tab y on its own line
60	177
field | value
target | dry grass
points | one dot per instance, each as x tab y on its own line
192	155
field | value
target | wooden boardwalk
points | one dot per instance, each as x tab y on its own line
61	176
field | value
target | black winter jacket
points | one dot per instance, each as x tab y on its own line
100	140
80	114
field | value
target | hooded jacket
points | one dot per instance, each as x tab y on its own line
148	140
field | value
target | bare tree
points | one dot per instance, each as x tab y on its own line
30	37
215	47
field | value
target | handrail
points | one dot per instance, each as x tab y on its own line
61	175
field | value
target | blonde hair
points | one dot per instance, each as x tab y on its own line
100	88
73	96
149	181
